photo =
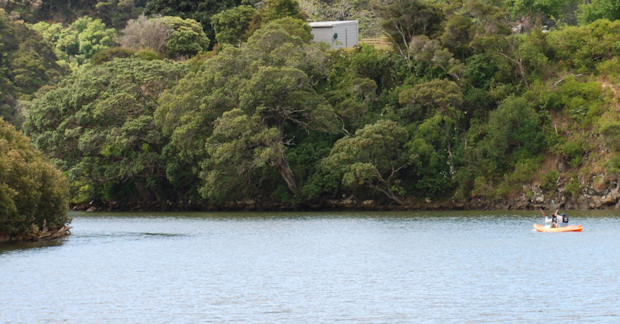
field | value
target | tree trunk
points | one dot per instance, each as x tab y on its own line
287	174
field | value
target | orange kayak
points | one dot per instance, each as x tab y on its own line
571	228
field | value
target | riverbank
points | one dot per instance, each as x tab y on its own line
608	200
38	235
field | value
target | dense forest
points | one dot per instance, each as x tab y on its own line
155	104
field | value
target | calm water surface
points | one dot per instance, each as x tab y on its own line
316	268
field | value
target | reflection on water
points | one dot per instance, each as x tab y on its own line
316	267
20	246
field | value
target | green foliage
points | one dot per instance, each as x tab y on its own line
295	27
276	9
580	47
574	187
98	125
271	80
110	54
403	19
116	13
572	151
608	69
513	132
27	62
201	11
457	34
481	188
609	127
524	170
425	99
186	37
430	59
32	192
113	13
591	11
480	109
549	182
79	41
147	54
613	165
374	157
582	100
239	148
554	9
231	26
358	83
431	155
85	37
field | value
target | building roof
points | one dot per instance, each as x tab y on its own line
319	24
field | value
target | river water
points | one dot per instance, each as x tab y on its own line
370	267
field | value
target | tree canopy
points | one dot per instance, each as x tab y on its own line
231	103
33	193
98	127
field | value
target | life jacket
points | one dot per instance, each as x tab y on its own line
564	218
554	219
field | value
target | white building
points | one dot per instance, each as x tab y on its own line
337	34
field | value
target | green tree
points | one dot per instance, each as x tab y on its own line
200	10
33	193
27	62
375	158
231	25
514	132
186	37
239	148
116	13
540	9
432	155
79	41
426	99
580	47
271	79
599	9
403	19
457	34
276	9
98	126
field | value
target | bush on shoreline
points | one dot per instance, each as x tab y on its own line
34	195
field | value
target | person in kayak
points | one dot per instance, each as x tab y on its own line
550	221
563	220
554	219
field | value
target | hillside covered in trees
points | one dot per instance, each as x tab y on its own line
153	104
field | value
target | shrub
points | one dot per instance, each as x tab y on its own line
572	151
33	193
573	187
110	54
186	37
613	165
549	181
147	54
610	129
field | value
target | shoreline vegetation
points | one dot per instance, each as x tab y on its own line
157	105
42	235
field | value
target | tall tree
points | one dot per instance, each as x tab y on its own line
271	79
33	193
374	157
98	126
231	26
200	10
403	19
